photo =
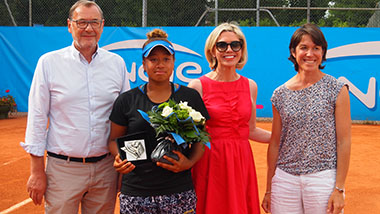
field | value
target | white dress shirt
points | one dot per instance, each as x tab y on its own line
70	101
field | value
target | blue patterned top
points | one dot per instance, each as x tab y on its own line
308	135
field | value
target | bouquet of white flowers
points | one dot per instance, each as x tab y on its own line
185	124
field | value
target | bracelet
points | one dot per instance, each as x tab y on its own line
339	189
269	192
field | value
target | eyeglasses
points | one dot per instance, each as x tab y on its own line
223	46
82	24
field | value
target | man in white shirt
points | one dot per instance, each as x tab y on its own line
72	93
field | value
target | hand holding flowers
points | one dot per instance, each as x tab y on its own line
185	124
180	119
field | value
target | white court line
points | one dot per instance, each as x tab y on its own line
12	161
16	206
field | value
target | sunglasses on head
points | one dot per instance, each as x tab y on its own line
223	46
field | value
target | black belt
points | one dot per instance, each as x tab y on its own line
83	160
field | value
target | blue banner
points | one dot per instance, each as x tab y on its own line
353	56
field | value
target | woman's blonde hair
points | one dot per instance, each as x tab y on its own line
213	37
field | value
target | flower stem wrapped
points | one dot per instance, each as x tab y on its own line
180	119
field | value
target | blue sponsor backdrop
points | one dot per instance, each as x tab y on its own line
20	48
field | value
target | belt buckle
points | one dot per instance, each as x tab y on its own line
83	160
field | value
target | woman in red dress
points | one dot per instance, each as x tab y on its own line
225	178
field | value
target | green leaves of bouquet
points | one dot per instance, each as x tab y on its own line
179	118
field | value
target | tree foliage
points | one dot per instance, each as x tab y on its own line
343	18
187	13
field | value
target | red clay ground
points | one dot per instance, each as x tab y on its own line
362	186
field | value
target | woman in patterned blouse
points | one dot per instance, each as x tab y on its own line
309	152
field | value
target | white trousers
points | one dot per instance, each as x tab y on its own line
303	194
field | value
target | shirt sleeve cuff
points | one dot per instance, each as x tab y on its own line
34	149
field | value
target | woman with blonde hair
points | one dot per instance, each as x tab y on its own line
225	177
149	187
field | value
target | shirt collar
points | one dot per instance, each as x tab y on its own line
79	56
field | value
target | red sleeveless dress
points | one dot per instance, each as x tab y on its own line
225	177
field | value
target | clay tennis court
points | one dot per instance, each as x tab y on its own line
362	186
